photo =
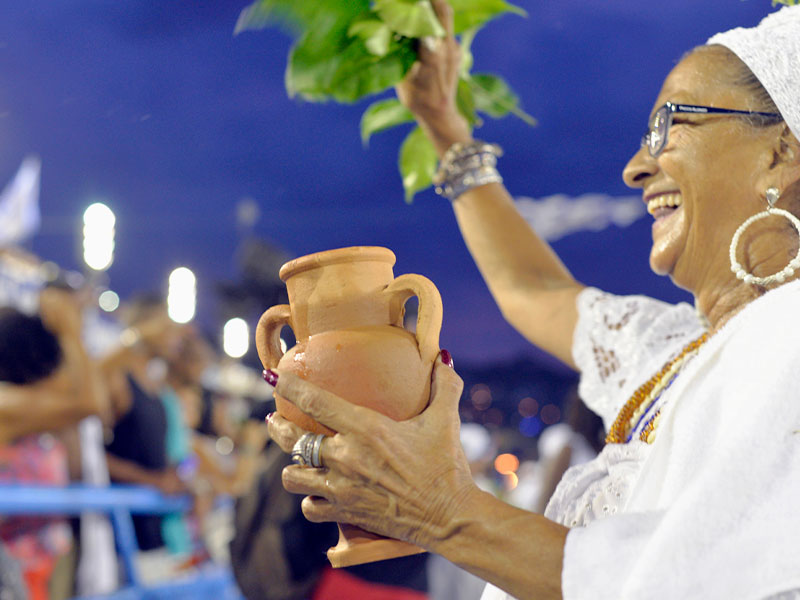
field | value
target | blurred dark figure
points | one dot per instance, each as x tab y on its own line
277	554
47	383
577	439
137	452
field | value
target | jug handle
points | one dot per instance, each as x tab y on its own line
268	334
429	314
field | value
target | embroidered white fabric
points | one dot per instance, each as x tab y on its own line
771	52
712	499
619	343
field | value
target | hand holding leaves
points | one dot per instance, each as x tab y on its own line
345	51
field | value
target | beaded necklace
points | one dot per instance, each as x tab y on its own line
645	397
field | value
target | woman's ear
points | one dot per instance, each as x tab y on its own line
786	160
782	162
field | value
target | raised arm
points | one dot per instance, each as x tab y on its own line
73	391
532	288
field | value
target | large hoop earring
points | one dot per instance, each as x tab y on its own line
772	194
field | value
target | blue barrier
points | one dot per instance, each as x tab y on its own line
120	502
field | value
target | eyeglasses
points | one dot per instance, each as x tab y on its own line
656	137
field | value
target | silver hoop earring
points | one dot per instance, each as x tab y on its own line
772	194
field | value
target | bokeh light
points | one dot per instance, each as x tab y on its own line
224	445
510	481
528	407
550	414
236	338
531	426
182	295
506	463
480	396
98	236
108	301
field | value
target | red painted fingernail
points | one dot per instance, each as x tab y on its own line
447	358
271	377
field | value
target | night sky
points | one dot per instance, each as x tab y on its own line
158	110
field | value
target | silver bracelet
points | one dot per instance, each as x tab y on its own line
465	166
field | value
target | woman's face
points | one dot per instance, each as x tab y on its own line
711	173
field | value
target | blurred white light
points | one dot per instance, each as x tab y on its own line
235	338
108	301
98	236
182	295
224	445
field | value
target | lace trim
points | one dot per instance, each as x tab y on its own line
620	341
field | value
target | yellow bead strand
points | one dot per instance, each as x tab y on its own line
646	394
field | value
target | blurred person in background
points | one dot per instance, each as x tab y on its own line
97	570
135	371
448	581
574	441
224	461
48	383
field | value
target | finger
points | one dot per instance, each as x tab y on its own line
307	481
445	14
318	510
283	432
446	388
323	406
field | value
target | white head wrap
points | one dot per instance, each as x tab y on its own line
772	52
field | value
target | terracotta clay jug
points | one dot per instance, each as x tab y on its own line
346	309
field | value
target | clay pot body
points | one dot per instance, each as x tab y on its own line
346	310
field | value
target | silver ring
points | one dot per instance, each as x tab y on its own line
315	461
306	450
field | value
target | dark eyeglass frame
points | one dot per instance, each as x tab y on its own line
662	121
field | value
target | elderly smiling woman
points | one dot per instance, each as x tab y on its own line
696	493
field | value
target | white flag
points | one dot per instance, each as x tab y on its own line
19	204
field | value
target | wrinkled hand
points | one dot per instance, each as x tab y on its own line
404	479
60	312
429	88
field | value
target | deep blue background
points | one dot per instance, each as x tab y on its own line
158	110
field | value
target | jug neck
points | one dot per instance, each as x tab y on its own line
344	295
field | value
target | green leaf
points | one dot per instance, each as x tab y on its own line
346	72
472	13
494	97
375	34
417	163
263	13
411	18
465	102
467	59
296	15
382	115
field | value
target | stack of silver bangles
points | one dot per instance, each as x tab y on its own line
305	451
465	166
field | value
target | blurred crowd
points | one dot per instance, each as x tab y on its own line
129	397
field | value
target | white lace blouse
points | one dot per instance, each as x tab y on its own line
710	509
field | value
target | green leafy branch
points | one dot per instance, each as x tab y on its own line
786	2
345	50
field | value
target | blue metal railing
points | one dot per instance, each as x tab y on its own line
120	502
